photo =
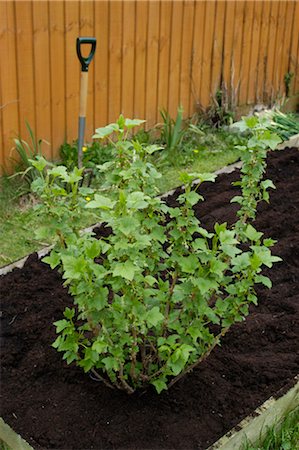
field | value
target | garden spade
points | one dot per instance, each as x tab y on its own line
85	61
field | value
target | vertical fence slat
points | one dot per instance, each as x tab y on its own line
271	51
246	45
205	86
237	49
218	47
140	61
175	57
72	68
86	28
253	71
152	62
25	64
101	64
9	118
115	63
294	50
227	72
285	52
42	74
198	38
262	55
186	57
164	54
277	85
57	72
128	58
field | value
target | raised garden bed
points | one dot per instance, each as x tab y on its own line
53	405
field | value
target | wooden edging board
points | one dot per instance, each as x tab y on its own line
251	429
254	427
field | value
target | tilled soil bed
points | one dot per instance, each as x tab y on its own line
53	405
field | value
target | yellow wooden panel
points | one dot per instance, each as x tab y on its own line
205	89
151	91
128	50
277	82
72	68
186	56
140	58
175	57
271	51
227	72
86	28
262	55
9	120
294	52
57	72
254	53
101	63
285	52
217	54
115	59
198	39
25	66
164	54
42	75
246	46
237	50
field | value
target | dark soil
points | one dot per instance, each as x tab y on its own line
53	405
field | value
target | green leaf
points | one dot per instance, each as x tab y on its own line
125	270
93	249
131	123
53	259
69	313
264	280
73	267
154	317
252	233
110	363
100	202
159	384
59	171
137	200
40	163
150	149
204	284
193	198
188	264
150	280
103	132
61	325
99	346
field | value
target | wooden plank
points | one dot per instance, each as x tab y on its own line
140	58
286	44
175	57
128	58
186	57
217	56
197	49
277	82
164	54
294	49
42	75
25	65
255	427
72	69
9	118
205	86
151	93
86	28
246	46
115	59
271	52
254	53
263	50
227	72
57	75
237	49
101	63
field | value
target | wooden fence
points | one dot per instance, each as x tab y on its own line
150	55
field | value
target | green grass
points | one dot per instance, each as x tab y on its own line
205	152
283	437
